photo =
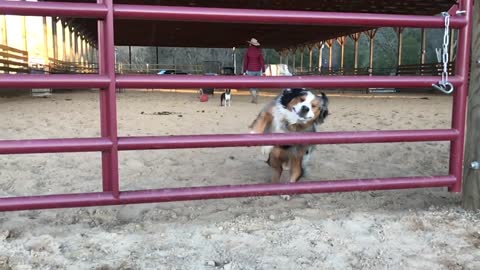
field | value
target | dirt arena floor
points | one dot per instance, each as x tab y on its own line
409	229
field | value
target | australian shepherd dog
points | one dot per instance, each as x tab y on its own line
295	110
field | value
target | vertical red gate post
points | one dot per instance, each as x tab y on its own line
108	100
109	143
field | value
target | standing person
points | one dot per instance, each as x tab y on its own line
253	64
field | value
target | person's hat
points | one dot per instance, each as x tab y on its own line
254	42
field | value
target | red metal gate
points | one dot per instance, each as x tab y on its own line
109	144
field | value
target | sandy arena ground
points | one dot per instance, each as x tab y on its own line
412	229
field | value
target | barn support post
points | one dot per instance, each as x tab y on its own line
68	48
87	51
471	180
92	54
71	39
355	54
24	32
310	58
330	43
23	28
130	57
399	31
423	46
355	37
320	51
83	49
301	58
45	39
371	35
82	53
54	38
78	38
64	40
75	46
91	46
79	48
294	59
3	20
4	38
341	41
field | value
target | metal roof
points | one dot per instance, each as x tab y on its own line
224	35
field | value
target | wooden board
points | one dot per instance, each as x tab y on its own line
471	178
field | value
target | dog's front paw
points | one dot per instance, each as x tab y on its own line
286	197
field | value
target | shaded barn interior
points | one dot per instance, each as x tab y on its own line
226	35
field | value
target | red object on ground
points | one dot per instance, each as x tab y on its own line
204	98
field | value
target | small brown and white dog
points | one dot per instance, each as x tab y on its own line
295	110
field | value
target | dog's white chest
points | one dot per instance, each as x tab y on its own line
226	99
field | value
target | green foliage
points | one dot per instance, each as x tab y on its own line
412	40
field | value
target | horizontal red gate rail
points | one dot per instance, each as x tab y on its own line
54	145
53	81
194	81
227	140
229	15
77	10
202	141
217	192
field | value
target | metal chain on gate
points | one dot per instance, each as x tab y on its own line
444	85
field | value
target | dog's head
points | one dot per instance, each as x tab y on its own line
228	91
305	104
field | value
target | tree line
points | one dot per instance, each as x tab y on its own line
385	52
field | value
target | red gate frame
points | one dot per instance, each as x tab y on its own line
109	144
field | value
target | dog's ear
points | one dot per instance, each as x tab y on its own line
323	108
289	94
286	91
